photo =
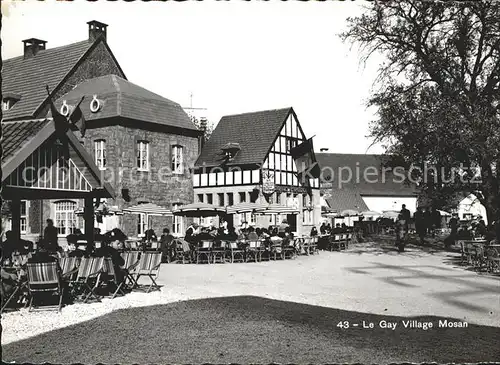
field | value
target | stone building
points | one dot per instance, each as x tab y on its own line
249	153
143	143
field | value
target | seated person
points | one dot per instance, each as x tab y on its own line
205	235
42	255
167	246
252	236
8	246
264	233
232	235
9	283
107	251
337	229
191	233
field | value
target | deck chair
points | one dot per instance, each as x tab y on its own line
253	251
334	242
88	276
234	252
111	276
44	278
131	260
69	267
219	252
289	249
204	251
149	265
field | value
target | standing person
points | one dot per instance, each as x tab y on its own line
428	221
453	224
436	218
405	216
420	225
282	228
50	236
314	232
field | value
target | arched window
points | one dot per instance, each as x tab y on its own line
65	218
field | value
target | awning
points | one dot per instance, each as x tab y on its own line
149	209
198	210
391	214
278	209
370	213
246	208
103	209
349	213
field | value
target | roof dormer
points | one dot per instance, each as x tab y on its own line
230	150
9	99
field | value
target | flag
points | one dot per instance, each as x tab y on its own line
305	161
77	116
60	121
61	126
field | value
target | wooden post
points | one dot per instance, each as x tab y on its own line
88	215
16	218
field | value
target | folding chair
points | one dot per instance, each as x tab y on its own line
89	273
265	252
69	267
111	276
204	250
277	250
219	252
314	245
131	260
306	244
343	241
253	251
290	250
44	278
20	286
183	251
234	252
348	240
492	260
149	265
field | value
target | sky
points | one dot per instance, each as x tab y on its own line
232	57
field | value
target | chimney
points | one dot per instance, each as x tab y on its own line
96	30
32	46
323	149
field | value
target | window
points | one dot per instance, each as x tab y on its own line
252	218
230	199
221	199
66	221
278	198
142	224
100	153
177	162
143	155
200	198
210	199
23	209
6	104
178	222
243	197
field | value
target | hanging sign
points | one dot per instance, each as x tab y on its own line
268	186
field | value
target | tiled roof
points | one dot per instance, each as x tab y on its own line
344	199
254	132
28	77
120	97
18	134
366	174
